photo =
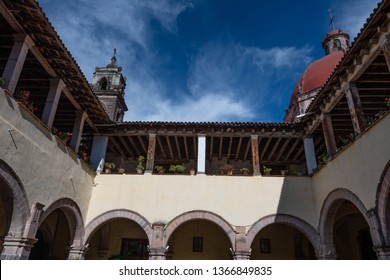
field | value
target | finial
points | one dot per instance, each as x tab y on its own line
115	52
331	17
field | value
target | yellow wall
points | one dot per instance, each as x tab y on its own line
241	200
215	242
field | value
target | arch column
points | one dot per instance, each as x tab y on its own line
156	247
242	250
382	251
19	247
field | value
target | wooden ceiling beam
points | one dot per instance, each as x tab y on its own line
276	145
211	148
117	146
127	148
178	147
292	149
186	148
238	148
230	147
142	144
170	147
282	149
265	148
220	147
161	147
135	146
248	146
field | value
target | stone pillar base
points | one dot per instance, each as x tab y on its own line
383	253
157	254
241	255
17	248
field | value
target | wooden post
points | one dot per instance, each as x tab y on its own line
328	134
78	130
15	62
355	108
151	152
255	155
49	112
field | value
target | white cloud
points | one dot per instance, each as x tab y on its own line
226	81
350	15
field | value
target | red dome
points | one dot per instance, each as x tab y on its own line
316	74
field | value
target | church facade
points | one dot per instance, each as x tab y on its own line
77	182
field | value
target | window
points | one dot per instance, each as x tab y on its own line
103	83
134	249
337	44
197	244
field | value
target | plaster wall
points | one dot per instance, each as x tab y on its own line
240	200
358	168
47	168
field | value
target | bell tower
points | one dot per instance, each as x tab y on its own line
109	85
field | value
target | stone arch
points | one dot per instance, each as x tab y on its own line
289	220
15	199
383	202
103	83
73	216
328	214
118	214
203	215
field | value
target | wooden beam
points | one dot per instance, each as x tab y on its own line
117	146
274	149
220	148
211	148
238	148
265	148
283	148
126	146
186	148
135	146
142	144
170	147
292	149
247	149
178	147
230	147
161	148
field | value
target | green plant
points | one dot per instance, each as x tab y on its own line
323	158
387	102
140	165
267	169
159	168
226	169
177	168
244	170
109	165
23	96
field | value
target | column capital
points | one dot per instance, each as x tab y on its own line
17	247
57	82
241	255
327	254
383	252
23	38
77	252
157	253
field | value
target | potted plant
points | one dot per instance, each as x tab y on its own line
160	169
121	170
284	172
178	168
226	169
267	170
192	171
108	167
140	166
244	171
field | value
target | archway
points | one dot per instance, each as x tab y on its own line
199	239
383	203
14	209
283	237
118	234
344	229
199	235
53	238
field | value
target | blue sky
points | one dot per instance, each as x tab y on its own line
203	60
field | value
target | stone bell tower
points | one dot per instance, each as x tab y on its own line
109	85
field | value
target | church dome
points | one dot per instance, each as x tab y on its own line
316	74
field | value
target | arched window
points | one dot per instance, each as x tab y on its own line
337	44
103	83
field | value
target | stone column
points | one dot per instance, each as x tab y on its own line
77	252
310	154
255	155
382	251
15	62
19	247
201	154
355	108
327	255
49	112
78	130
328	134
151	153
104	241
99	149
242	251
156	249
